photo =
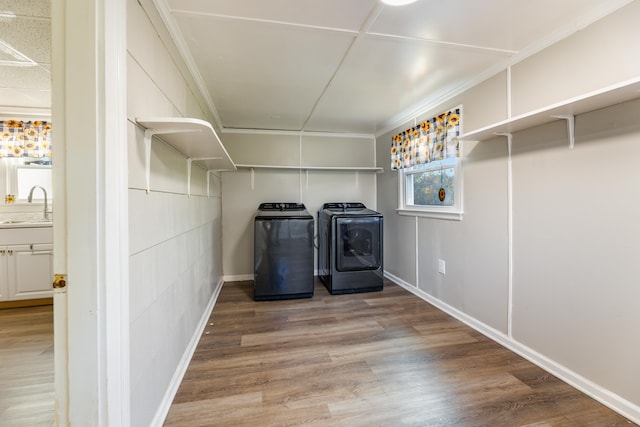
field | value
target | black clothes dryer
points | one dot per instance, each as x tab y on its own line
282	252
350	248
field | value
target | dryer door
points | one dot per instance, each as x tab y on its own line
358	243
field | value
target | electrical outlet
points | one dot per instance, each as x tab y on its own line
441	266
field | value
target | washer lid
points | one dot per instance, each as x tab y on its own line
344	205
348	209
281	206
276	210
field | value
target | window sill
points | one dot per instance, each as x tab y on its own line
449	216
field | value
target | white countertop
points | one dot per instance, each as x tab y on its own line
25	224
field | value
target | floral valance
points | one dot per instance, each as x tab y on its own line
431	140
26	139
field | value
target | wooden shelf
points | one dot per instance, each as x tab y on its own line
308	168
194	138
591	101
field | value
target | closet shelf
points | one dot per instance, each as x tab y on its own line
308	168
590	101
194	138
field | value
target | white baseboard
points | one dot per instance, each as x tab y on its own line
238	278
591	389
244	277
181	369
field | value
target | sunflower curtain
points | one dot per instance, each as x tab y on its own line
431	140
26	139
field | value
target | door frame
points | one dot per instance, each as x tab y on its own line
91	316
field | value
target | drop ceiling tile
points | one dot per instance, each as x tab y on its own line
41	8
35	77
342	14
30	37
26	98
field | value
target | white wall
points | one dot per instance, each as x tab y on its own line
175	240
575	219
244	190
576	242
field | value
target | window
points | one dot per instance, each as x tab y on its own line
428	158
432	189
29	176
20	178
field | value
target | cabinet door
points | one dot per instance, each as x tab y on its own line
4	274
30	271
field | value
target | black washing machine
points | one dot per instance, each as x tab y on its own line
282	252
350	248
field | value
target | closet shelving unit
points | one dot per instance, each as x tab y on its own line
306	169
310	168
194	138
565	110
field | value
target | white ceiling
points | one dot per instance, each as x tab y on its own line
318	65
358	66
25	53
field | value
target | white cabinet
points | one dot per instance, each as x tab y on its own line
4	275
26	263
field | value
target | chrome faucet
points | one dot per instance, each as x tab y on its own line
46	205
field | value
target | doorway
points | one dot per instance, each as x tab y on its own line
90	235
25	269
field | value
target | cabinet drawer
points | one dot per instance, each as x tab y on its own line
19	236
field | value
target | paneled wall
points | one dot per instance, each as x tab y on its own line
576	240
175	240
245	189
557	279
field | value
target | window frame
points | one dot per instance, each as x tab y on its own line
454	212
41	175
15	180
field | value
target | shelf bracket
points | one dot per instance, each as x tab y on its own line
509	233
195	159
189	161
571	127
148	136
149	133
509	139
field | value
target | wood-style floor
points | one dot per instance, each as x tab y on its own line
372	359
26	367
